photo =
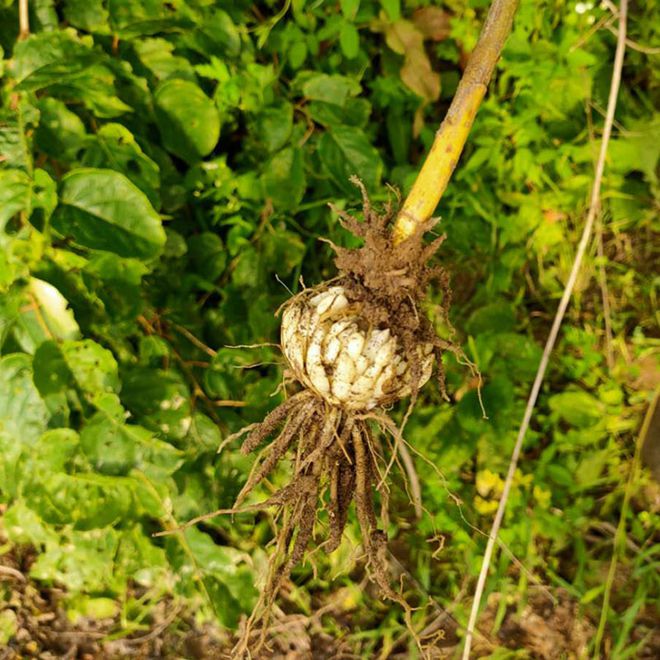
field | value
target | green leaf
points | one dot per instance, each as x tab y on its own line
334	89
51	371
349	40
15	189
23	415
349	8
102	209
188	120
115	148
159	399
346	151
157	56
495	317
274	125
49	58
355	112
55	451
111	445
68	67
61	132
94	368
393	9
283	251
88	501
228	579
284	179
297	54
82	560
130	19
88	15
208	255
577	407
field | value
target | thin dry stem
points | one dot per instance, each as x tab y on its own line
23	20
554	331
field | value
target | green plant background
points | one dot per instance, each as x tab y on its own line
165	176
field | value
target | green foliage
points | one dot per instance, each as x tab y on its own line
162	163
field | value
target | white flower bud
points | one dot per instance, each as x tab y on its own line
330	352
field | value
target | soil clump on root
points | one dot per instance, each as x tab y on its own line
356	344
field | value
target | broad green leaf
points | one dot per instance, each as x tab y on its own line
284	179
188	120
208	255
83	560
283	251
88	501
115	147
102	209
49	58
15	192
111	445
140	559
273	126
23	415
216	35
157	56
55	451
88	15
228	580
393	9
329	88
93	367
346	151
22	525
159	399
495	317
111	268
131	19
577	407
51	371
68	67
355	112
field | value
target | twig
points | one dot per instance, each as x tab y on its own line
193	340
554	331
605	295
229	403
415	488
618	548
23	20
452	134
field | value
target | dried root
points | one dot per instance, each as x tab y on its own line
334	465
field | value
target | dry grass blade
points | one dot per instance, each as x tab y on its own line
554	331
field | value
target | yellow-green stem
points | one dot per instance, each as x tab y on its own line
452	134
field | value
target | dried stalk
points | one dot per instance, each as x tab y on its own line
554	331
23	20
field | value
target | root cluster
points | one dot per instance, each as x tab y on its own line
336	460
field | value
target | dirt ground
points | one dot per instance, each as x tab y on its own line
547	627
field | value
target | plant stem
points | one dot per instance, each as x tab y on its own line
439	165
23	20
594	207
